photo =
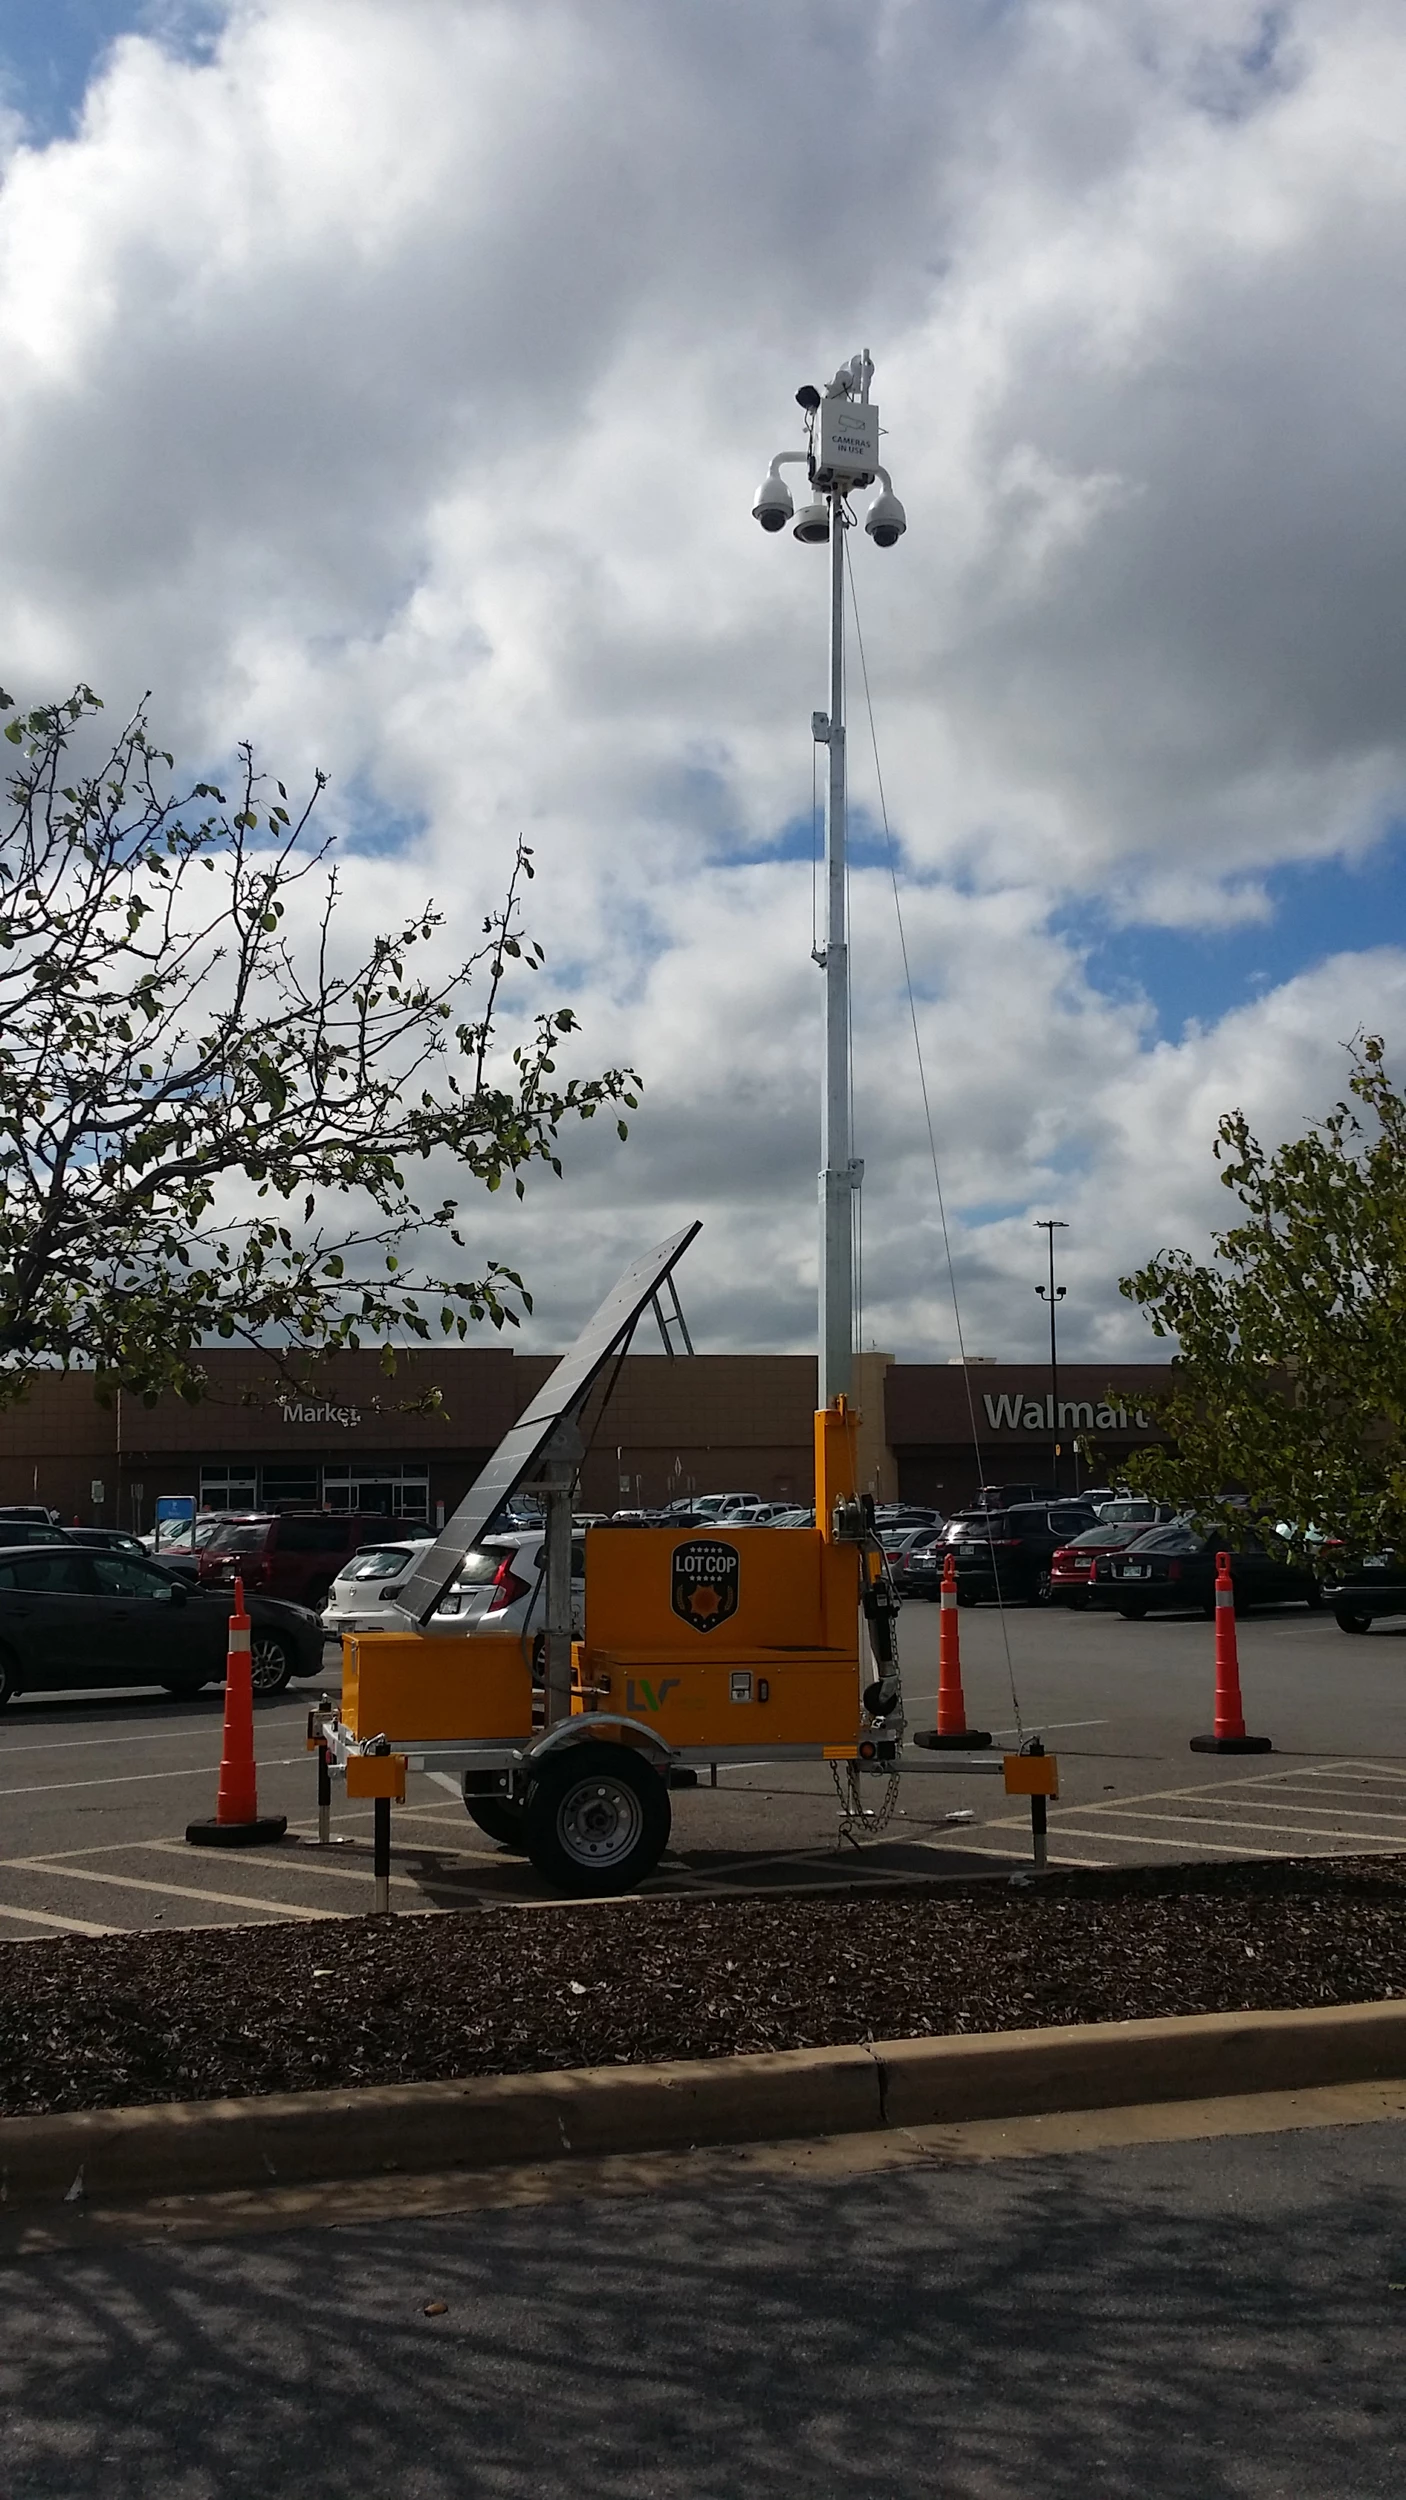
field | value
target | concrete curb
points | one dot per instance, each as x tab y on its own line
289	2138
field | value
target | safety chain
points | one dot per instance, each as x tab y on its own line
856	1817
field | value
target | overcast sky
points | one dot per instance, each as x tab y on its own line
389	380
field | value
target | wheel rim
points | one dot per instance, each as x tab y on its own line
266	1664
600	1820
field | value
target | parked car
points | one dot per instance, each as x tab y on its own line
74	1616
1008	1553
108	1540
1001	1496
39	1512
1135	1510
177	1544
1072	1566
32	1532
295	1554
500	1587
725	1505
1375	1587
1174	1570
915	1568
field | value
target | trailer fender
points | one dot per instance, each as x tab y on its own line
597	1725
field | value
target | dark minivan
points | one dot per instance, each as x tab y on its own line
295	1554
1007	1553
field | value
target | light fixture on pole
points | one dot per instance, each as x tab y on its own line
1049	1225
841	454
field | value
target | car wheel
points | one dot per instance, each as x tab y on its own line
598	1819
1348	1619
1133	1614
184	1687
270	1663
500	1820
1314	1598
9	1678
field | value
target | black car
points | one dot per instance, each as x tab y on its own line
1375	1587
1002	1496
75	1616
1007	1553
1173	1570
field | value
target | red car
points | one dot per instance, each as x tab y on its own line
1072	1567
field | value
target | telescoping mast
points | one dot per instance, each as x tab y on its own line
700	1645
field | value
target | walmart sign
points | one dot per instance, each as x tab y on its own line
1017	1411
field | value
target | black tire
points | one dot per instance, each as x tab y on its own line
270	1662
184	1687
1348	1619
1133	1614
1314	1598
9	1678
501	1821
598	1819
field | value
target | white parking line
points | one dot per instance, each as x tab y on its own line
1057	1858
354	1870
171	1892
1307	1831
130	1779
1153	1840
50	1918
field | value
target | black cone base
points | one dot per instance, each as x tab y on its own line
970	1740
1231	1744
212	1835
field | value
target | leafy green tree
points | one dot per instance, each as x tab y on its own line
213	1127
1290	1382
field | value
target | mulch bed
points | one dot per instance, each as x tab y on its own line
103	2022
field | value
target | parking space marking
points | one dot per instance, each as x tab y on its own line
172	1892
50	1918
947	1848
1308	1831
355	1870
133	1779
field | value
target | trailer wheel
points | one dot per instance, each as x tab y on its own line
598	1819
502	1821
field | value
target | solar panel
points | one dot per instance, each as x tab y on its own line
561	1395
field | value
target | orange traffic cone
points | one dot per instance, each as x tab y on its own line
1230	1736
951	1734
238	1823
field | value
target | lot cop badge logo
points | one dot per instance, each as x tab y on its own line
705	1577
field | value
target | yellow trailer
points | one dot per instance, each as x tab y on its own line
701	1645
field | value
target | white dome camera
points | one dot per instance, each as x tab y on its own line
813	524
886	519
773	507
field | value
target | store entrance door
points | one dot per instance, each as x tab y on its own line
397	1492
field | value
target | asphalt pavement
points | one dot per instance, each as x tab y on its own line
1218	2319
96	1791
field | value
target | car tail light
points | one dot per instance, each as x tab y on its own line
1004	1544
1174	1569
507	1587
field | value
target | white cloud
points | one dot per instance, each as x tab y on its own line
392	384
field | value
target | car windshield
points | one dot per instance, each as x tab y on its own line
985	1523
1101	1535
1167	1541
240	1536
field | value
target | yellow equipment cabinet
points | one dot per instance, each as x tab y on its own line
422	1688
726	1641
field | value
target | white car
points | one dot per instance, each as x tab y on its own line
501	1587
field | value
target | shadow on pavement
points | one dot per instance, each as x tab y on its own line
1177	2322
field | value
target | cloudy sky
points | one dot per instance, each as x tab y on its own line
389	380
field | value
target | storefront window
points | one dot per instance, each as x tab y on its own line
228	1488
400	1492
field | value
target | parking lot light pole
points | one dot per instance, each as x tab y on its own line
1049	1225
841	453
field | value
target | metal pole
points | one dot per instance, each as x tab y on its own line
381	1857
1049	1225
324	1798
839	1177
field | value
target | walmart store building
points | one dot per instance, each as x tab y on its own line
352	1438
